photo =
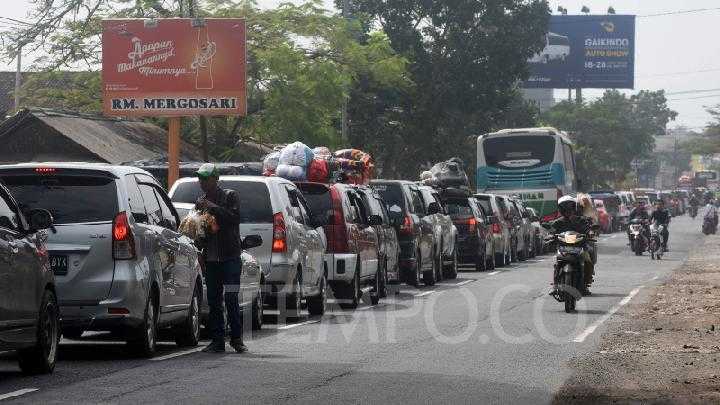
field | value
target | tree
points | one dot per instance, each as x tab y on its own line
302	61
466	59
611	132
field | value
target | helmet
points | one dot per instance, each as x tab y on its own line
567	205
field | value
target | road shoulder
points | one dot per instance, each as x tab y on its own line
665	349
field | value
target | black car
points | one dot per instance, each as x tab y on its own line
406	208
28	304
475	238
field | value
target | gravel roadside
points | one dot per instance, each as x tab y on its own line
663	350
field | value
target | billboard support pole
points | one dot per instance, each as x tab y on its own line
569	94
578	95
173	150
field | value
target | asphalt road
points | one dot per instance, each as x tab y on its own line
493	337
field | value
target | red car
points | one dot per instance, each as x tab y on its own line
604	219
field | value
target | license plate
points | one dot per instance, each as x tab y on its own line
59	264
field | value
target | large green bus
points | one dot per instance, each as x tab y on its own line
535	164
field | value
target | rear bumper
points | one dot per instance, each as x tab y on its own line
468	249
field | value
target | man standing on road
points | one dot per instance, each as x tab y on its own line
221	253
661	216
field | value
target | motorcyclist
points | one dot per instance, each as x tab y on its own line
571	220
711	212
639	212
694	203
661	216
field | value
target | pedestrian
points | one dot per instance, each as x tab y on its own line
221	254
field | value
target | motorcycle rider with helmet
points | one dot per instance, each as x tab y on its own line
661	216
639	212
572	220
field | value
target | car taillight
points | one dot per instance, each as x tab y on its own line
407	226
471	223
279	244
496	228
338	243
122	238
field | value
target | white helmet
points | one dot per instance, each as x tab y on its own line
567	204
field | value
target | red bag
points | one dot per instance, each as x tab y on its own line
318	172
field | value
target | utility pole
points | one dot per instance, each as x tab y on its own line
344	113
18	78
202	118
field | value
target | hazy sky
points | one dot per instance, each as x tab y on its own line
677	53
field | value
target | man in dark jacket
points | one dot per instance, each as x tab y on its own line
661	216
571	220
222	255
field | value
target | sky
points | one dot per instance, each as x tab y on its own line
678	53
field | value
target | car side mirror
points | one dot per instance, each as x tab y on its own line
252	241
40	219
595	227
375	220
433	208
140	217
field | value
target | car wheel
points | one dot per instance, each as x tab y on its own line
439	266
354	291
188	334
383	279
316	305
480	261
41	358
429	275
293	300
500	259
490	265
415	277
257	309
453	272
375	293
144	343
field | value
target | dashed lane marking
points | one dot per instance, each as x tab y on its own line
17	393
493	273
590	329
424	293
464	282
296	325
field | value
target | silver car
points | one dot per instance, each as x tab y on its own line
291	255
119	263
501	227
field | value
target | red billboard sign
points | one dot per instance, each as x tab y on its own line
174	67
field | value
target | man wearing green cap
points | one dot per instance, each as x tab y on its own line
221	253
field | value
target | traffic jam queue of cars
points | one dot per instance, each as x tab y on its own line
100	249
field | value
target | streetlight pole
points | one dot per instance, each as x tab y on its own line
344	113
18	78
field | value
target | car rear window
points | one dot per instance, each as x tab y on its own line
484	202
392	194
459	208
318	198
255	205
70	199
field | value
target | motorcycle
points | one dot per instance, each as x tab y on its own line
693	211
709	225
638	236
655	245
568	279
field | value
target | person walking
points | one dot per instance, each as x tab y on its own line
221	253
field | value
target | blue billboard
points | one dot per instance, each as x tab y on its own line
586	51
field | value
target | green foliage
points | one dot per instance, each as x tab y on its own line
466	58
611	132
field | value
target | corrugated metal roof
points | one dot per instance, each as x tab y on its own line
113	140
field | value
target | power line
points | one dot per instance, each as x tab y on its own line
697	10
679	73
695	98
676	93
16	21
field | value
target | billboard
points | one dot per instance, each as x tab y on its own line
586	51
173	67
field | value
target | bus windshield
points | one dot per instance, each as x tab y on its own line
519	152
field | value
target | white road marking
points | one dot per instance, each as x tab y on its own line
464	282
424	293
178	354
366	308
590	329
295	325
656	277
493	273
17	393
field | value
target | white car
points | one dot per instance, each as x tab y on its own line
291	254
